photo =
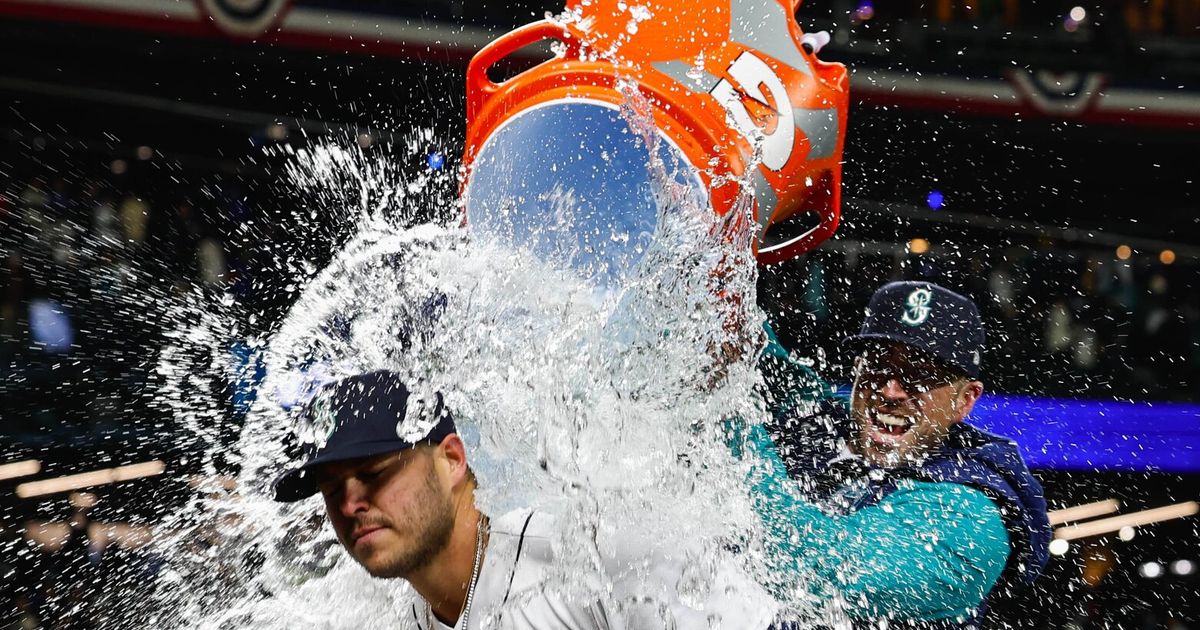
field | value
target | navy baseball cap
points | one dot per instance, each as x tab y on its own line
927	317
363	416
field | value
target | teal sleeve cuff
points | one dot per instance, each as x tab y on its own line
927	551
790	383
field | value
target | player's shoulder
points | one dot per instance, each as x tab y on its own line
530	531
524	522
521	541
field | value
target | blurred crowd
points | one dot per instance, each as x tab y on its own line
1172	18
92	267
1159	17
1060	322
77	574
92	270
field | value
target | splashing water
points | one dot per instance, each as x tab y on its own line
601	406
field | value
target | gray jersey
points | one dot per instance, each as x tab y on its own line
512	592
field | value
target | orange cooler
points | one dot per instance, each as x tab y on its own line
739	105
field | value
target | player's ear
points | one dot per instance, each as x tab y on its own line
454	452
968	395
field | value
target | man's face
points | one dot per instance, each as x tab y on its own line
904	403
392	512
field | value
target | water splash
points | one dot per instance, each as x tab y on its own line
601	406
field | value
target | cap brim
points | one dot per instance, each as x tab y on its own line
300	483
855	343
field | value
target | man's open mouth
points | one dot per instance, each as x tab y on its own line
889	424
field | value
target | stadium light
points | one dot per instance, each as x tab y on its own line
1135	519
92	478
20	469
1083	512
1059	547
1150	570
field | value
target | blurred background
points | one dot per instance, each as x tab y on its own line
1039	157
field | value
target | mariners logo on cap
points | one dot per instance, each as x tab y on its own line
917	309
321	421
423	412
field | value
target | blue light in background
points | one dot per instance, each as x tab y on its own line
435	160
935	200
865	10
1094	435
50	326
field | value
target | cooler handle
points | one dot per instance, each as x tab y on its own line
479	86
829	211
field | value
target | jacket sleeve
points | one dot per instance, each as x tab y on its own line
927	551
790	388
805	412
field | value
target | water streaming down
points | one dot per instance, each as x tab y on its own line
598	403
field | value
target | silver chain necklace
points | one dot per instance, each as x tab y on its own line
465	615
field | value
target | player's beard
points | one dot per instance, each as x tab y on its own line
429	526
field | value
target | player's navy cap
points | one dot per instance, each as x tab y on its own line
927	317
362	416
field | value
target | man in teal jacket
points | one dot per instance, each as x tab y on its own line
890	503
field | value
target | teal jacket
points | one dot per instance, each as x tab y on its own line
927	551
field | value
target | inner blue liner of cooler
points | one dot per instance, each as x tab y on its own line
571	182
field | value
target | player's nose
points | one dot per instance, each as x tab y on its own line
351	498
893	389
